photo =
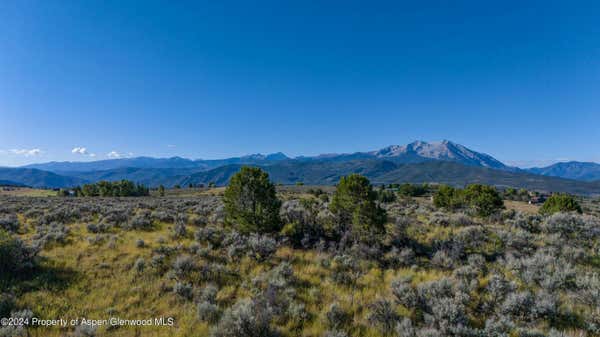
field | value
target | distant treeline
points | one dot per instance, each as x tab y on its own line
483	199
123	188
411	190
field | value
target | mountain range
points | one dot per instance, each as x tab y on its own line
570	170
415	152
417	162
153	163
37	178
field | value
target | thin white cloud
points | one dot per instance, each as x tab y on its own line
79	150
26	152
171	145
115	154
82	151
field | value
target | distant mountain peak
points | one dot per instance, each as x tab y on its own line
414	152
271	157
444	150
419	161
277	156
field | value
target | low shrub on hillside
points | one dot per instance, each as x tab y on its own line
15	256
9	223
560	203
482	200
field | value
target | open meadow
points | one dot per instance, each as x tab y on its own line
430	272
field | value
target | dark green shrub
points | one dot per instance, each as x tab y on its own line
208	312
560	203
301	224
412	190
448	197
336	317
482	199
354	203
386	196
485	200
251	203
9	223
15	256
7	304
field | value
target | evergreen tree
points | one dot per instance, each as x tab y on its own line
354	202
251	203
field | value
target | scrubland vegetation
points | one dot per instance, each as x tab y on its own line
303	261
123	188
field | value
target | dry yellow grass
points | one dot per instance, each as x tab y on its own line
26	192
100	283
521	206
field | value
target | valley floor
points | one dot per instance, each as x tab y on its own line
433	272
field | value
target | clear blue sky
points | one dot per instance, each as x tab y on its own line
519	80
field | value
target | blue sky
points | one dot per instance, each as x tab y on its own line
86	80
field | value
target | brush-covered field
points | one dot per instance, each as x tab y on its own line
431	272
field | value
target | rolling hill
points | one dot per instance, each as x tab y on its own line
314	173
381	171
147	176
570	170
110	164
11	183
153	163
38	178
